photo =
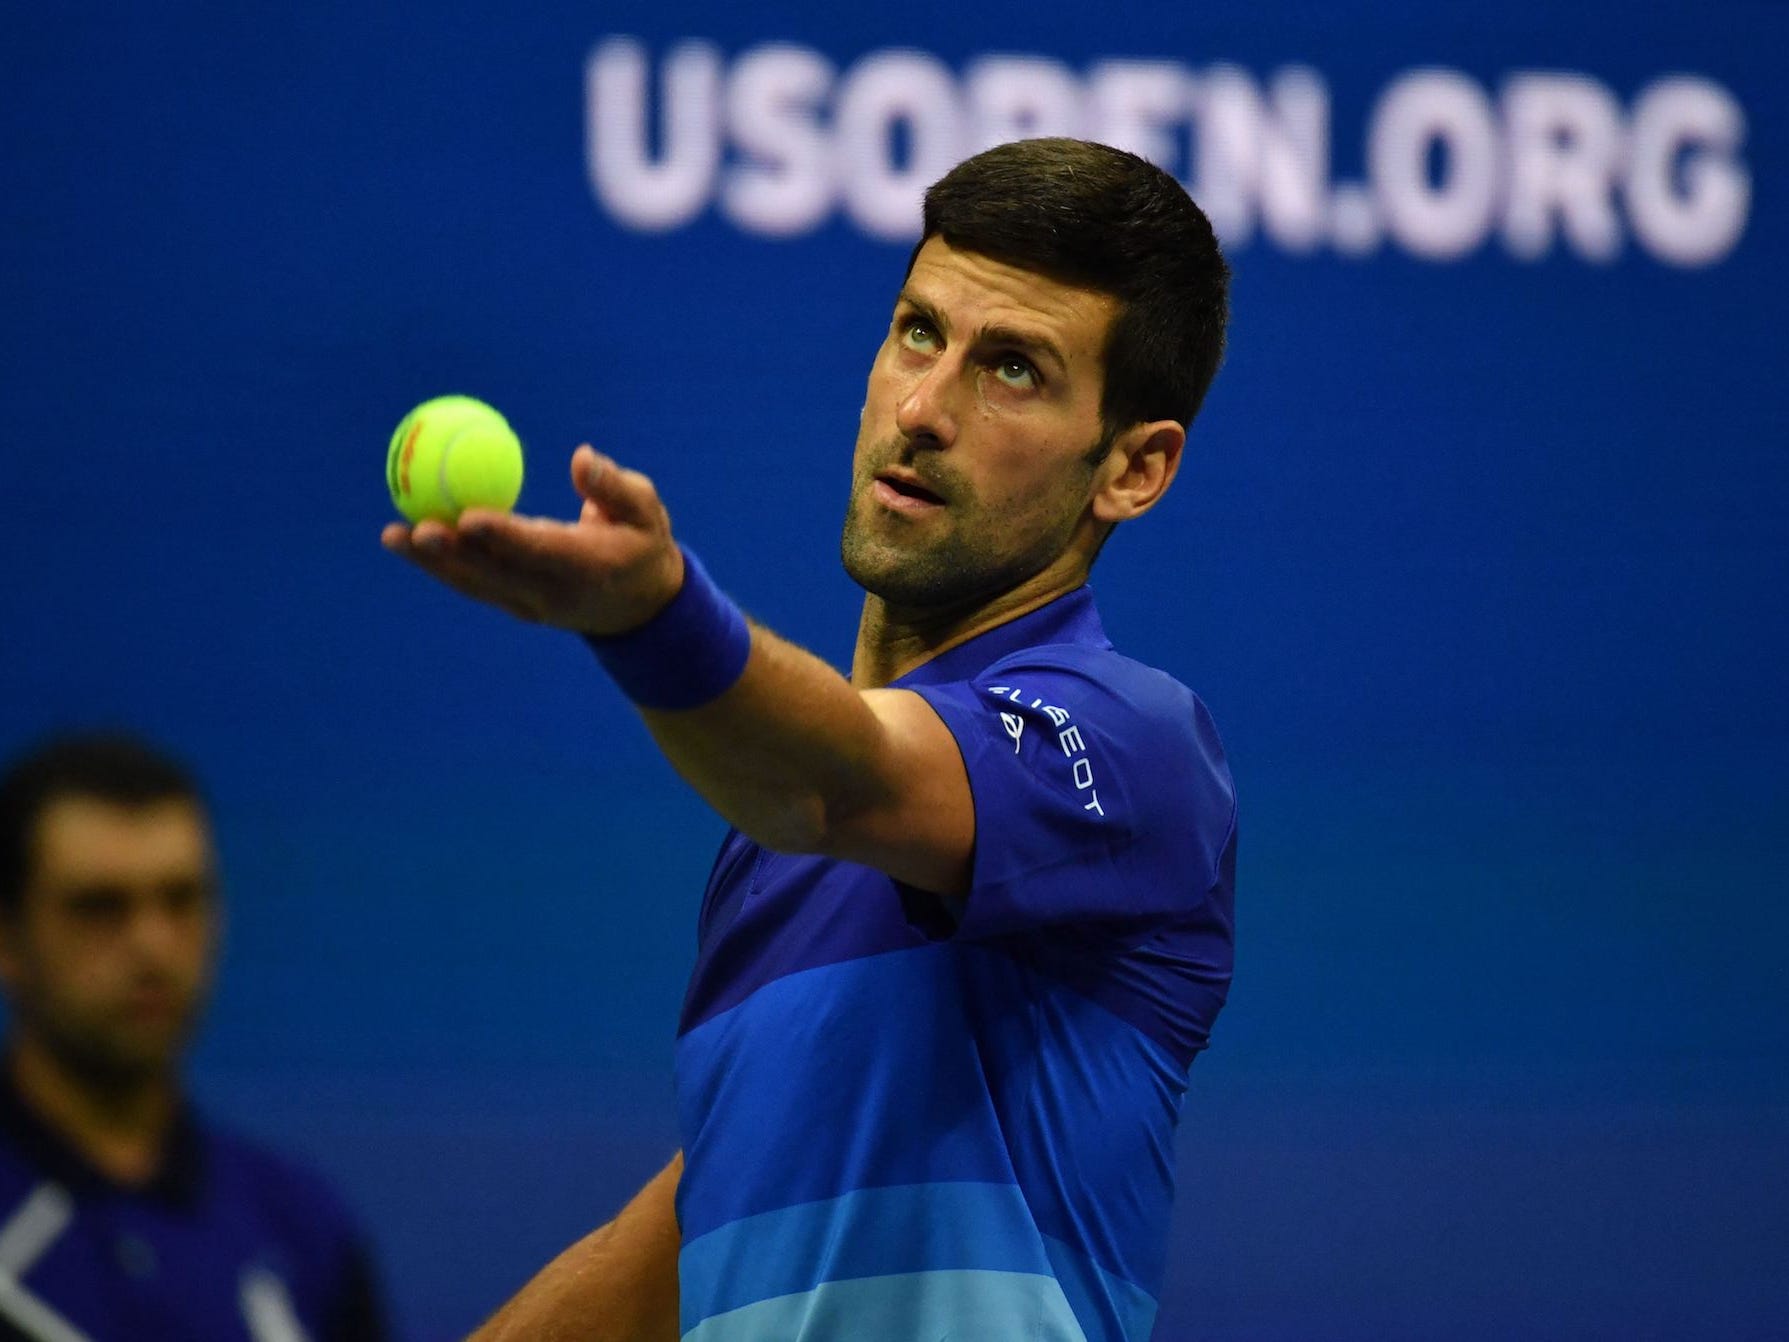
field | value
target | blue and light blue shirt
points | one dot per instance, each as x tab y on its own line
908	1119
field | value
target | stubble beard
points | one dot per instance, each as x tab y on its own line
110	1057
959	564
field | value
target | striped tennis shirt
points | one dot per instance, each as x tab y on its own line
911	1119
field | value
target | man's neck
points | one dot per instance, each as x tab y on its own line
121	1130
891	641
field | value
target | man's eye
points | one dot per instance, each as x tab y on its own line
916	334
1016	373
184	898
98	907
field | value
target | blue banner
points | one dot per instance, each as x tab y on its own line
1477	556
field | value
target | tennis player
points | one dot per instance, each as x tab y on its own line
973	921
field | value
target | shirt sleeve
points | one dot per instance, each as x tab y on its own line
1101	796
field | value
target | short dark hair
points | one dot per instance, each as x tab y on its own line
1101	218
110	767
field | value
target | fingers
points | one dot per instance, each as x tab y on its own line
445	556
611	569
541	569
533	546
622	496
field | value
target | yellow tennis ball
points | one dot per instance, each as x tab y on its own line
450	454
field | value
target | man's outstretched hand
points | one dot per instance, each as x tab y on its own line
610	571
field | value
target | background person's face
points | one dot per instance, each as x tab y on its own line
971	471
109	957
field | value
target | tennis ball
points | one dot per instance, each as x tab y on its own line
450	454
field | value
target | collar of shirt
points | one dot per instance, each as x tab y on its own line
177	1180
1071	618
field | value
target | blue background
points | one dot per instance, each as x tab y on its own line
1480	566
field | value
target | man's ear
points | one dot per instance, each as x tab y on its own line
1138	470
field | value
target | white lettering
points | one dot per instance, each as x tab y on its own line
785	185
1070	740
1426	111
1687	196
1564	161
1020	98
776	140
1267	153
1294	131
1228	140
886	93
641	192
1133	104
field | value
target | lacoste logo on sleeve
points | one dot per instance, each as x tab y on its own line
1015	728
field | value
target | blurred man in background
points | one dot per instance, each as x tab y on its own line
123	1217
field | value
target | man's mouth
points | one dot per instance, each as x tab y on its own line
901	491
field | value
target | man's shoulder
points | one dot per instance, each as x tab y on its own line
237	1185
282	1186
1145	733
1100	678
1100	662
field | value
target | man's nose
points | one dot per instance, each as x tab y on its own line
927	408
160	935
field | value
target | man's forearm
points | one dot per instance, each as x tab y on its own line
773	738
617	1284
802	761
785	753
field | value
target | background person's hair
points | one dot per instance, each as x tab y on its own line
1098	217
110	767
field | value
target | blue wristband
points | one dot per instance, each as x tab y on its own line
689	653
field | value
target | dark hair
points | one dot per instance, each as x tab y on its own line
108	767
1100	218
